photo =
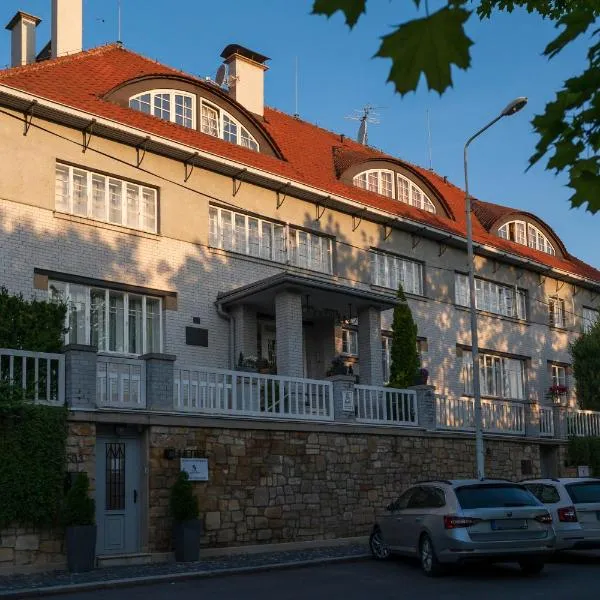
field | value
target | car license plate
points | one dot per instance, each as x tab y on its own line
507	524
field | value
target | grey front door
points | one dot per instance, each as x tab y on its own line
118	495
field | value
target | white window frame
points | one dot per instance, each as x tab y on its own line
387	270
556	312
386	357
110	183
558	375
349	342
504	300
313	239
172	94
87	317
244	137
415	196
529	236
499	376
589	316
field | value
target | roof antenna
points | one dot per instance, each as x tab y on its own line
429	140
119	39
296	113
367	116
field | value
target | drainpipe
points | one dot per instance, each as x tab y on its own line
228	317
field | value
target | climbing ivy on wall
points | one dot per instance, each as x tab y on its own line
32	437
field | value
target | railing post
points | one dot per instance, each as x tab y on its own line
426	409
343	397
560	416
160	381
533	416
80	376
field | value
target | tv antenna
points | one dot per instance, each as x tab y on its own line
220	76
119	39
366	116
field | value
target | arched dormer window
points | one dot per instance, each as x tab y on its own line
526	234
394	185
171	105
215	121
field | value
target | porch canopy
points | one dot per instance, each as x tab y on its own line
294	299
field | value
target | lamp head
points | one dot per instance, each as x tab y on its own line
515	106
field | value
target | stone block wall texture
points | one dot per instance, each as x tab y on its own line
28	548
269	486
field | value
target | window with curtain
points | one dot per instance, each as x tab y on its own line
556	312
589	318
527	235
388	270
499	377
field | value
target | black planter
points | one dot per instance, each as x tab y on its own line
187	540
81	548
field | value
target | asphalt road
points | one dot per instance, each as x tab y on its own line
576	578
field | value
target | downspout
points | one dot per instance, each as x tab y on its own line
228	317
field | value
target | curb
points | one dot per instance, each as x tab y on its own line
172	577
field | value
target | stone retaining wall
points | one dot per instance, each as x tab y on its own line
269	486
26	548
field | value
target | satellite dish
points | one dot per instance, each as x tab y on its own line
220	76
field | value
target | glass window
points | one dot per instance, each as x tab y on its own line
584	493
427	497
184	114
230	130
527	235
589	318
170	105
494	495
548	494
499	377
153	335
210	120
162	106
389	271
350	342
102	198
492	297
556	312
98	319
559	375
135	327
76	314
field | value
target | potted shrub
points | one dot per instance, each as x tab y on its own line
79	521
187	528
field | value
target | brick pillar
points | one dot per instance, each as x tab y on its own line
426	406
343	397
245	331
80	376
159	381
369	346
288	324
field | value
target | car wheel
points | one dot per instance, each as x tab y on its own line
379	549
531	566
429	560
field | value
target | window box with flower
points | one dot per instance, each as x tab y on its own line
558	393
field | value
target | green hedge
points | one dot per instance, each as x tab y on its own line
585	451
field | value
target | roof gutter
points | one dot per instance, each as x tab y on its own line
52	110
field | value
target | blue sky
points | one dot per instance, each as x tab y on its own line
337	75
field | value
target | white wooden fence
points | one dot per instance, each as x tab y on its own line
383	405
41	375
583	423
120	382
240	393
546	415
497	416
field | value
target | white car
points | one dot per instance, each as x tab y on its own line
575	507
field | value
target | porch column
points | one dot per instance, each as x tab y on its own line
245	331
369	346
288	329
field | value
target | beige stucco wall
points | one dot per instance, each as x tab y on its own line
179	259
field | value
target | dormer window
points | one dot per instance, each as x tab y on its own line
393	185
170	105
526	234
216	122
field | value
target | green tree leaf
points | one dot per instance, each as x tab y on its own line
575	24
352	9
428	46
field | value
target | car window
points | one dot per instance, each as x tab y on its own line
582	493
403	501
427	497
494	495
546	493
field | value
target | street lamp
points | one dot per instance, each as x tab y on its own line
514	107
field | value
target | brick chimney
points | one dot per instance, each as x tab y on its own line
22	28
246	77
67	27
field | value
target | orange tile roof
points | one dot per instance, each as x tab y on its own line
81	81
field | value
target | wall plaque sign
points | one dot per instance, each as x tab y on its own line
196	468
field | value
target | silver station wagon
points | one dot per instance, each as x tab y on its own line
575	506
448	522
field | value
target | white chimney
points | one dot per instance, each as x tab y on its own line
22	27
246	77
67	27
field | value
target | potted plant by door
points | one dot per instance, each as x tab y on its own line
79	521
187	528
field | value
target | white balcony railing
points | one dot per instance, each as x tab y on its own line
40	374
583	423
120	382
384	405
497	416
239	393
546	415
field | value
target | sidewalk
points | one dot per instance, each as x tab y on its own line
62	582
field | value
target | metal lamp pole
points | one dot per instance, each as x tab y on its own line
515	106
